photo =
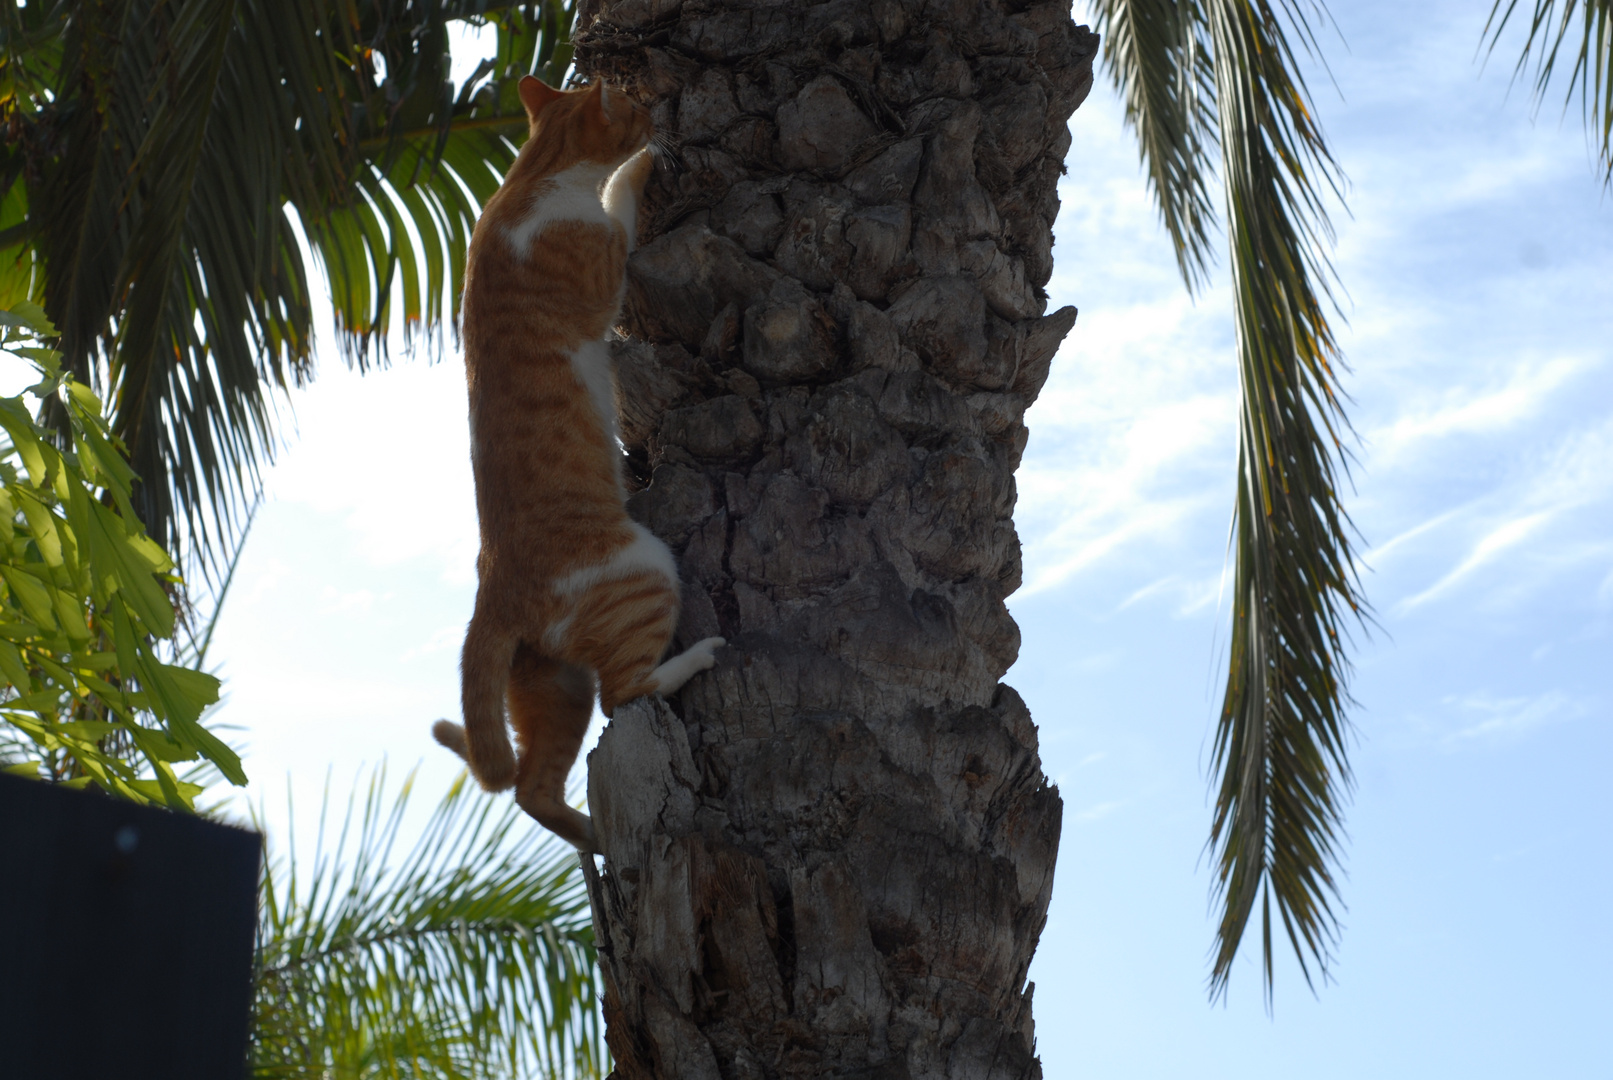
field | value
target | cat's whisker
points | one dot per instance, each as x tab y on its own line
668	151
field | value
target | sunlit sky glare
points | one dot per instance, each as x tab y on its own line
1476	261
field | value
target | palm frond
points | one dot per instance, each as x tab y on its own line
1224	73
1155	57
1550	28
472	955
424	180
168	161
1280	744
30	64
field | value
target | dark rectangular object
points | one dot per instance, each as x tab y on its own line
126	937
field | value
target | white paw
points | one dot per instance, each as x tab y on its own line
704	652
700	656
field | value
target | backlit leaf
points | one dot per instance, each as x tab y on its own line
32	594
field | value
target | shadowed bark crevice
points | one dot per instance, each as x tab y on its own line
835	856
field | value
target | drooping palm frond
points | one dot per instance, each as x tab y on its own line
167	161
1550	28
30	63
1281	739
471	956
430	165
1225	73
1154	55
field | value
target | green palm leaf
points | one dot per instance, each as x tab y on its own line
1280	743
173	160
472	955
1550	28
1154	54
1224	73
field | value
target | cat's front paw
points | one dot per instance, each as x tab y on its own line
636	170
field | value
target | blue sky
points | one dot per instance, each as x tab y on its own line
1478	261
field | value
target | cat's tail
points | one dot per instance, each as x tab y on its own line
449	734
484	672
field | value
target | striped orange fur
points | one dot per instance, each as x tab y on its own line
573	597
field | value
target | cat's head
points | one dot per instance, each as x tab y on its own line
595	123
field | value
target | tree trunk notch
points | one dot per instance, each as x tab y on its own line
833	854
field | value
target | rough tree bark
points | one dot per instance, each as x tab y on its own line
832	855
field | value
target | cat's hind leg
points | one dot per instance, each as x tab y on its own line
700	656
550	706
622	630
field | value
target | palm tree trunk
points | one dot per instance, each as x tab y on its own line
832	855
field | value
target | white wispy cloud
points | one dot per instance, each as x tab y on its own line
1468	411
335	602
1378	553
1126	439
1496	178
1489	547
1576	470
1487	717
446	638
1190	596
262	583
1133	440
1083	539
1546	516
1100	661
1096	813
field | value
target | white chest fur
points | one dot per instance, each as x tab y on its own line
570	195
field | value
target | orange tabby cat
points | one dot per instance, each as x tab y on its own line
571	590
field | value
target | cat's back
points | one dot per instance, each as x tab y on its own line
543	283
545	267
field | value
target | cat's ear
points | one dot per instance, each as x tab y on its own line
595	103
535	94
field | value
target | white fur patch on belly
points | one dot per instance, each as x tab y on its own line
569	195
554	638
646	553
591	364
